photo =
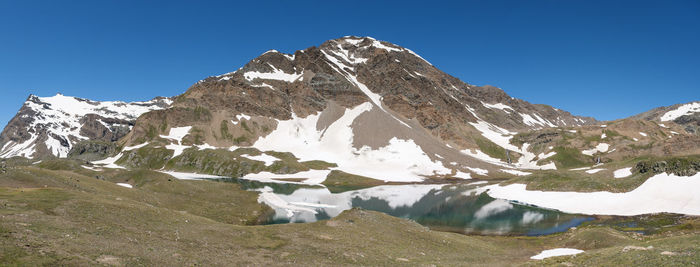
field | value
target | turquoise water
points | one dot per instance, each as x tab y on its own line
461	208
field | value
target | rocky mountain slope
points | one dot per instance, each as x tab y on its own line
686	115
51	126
369	106
662	132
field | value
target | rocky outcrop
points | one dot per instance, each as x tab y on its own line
678	166
90	150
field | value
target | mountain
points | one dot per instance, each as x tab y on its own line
687	114
371	107
356	106
52	126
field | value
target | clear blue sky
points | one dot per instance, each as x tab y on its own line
607	59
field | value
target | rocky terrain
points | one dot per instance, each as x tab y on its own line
52	126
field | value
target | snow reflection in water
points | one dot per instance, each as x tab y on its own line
460	208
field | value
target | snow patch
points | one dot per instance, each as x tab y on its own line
462	175
190	176
311	176
592	171
602	147
267	159
125	185
500	106
556	252
276	74
686	109
622	173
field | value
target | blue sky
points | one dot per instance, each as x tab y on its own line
607	59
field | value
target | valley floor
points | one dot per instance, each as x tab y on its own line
67	215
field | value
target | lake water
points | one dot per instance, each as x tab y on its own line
462	208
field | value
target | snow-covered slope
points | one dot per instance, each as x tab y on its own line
52	125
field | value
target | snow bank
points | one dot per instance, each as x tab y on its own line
109	162
535	120
500	106
592	171
239	117
262	157
190	176
686	109
276	74
602	147
311	176
125	185
462	175
556	252
622	173
660	193
176	134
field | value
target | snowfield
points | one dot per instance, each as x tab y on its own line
660	193
400	161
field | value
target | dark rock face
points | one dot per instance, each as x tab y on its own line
94	127
677	166
690	123
92	150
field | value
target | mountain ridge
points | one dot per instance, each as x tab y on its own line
382	104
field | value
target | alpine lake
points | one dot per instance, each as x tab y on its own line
460	207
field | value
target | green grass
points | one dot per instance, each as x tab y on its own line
491	149
80	220
215	161
318	164
567	158
147	157
338	181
